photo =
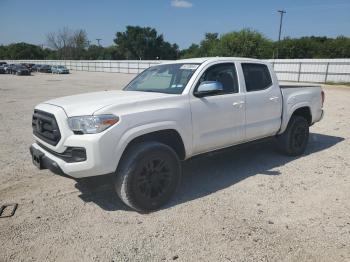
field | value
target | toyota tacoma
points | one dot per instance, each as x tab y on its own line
166	114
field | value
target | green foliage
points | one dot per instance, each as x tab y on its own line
249	43
315	47
95	52
209	46
192	51
305	47
23	51
144	43
244	43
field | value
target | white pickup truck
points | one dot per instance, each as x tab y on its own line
168	113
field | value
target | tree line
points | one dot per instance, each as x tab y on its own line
250	43
145	43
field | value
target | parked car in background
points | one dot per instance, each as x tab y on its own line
2	70
8	68
36	68
2	63
27	65
31	66
45	69
59	69
20	70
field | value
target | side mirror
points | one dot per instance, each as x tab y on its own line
209	88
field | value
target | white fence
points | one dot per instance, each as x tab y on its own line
312	70
299	70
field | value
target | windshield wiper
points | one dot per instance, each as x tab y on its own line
151	91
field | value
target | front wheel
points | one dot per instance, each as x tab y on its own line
147	176
294	140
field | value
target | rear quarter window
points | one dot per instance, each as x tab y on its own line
257	76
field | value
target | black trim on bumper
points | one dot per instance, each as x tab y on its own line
47	163
70	155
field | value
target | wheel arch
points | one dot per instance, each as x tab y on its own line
164	132
303	110
169	137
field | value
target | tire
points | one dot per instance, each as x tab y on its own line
147	176
294	140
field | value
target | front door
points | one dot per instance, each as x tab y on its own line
218	120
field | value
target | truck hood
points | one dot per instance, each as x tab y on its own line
89	103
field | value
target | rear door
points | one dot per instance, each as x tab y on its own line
263	101
218	120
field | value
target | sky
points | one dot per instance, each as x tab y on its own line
180	21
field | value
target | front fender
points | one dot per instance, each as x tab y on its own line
137	131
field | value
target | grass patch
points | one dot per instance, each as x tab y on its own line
338	83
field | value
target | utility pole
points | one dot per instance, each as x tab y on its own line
98	41
282	12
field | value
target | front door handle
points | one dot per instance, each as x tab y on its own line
274	98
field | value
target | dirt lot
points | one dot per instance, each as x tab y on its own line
250	204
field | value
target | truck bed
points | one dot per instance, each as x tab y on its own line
299	95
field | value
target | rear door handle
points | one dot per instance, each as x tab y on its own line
274	98
238	104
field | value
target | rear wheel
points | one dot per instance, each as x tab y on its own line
294	140
147	176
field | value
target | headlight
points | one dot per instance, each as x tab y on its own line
91	124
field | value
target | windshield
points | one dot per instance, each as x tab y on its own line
169	79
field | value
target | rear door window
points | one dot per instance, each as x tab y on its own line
257	76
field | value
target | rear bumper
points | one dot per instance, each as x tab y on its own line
319	116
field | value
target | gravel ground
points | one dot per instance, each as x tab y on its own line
245	204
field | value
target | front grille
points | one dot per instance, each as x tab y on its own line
45	127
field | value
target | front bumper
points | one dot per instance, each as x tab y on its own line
91	154
59	164
47	163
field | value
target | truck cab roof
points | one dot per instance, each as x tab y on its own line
213	59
